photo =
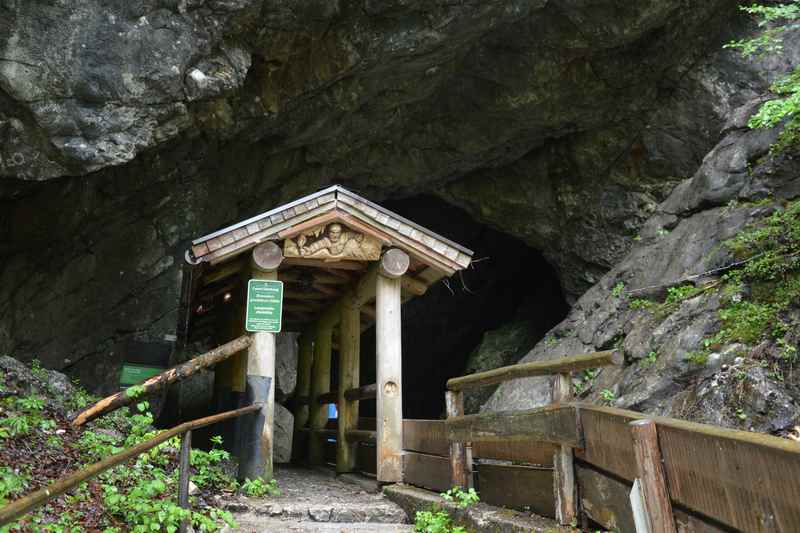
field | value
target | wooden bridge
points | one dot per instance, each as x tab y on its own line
347	264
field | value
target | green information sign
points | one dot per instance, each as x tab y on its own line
133	374
264	305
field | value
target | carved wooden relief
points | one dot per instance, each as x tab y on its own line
332	242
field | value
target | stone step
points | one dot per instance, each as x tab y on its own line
260	524
375	512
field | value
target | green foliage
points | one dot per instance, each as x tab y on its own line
676	295
618	289
460	497
438	520
584	380
257	488
208	471
12	484
651	359
640	303
697	357
774	21
134	391
607	396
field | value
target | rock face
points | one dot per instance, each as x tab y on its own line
283	433
285	365
127	130
671	366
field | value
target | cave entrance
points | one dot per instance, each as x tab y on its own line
488	315
345	265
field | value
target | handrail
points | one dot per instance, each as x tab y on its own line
538	368
365	392
24	505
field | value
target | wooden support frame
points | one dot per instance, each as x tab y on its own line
320	384
657	504
349	368
564	486
459	473
257	453
304	361
389	365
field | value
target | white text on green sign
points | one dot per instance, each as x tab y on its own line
264	305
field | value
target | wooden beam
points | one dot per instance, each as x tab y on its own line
225	271
454	402
156	383
257	456
538	368
320	384
361	435
553	423
366	392
299	295
564	488
328	398
349	367
658	506
304	360
389	365
321	263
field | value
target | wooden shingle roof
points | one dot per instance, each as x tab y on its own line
328	205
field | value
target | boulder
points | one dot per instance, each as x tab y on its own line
283	433
285	365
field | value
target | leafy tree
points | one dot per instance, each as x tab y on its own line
775	21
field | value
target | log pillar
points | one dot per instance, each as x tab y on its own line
459	475
304	361
652	478
320	384
388	331
256	460
563	467
349	367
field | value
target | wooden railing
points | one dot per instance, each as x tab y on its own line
26	504
690	477
556	423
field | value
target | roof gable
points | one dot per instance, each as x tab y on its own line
334	204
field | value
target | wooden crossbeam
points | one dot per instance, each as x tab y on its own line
320	263
553	423
538	368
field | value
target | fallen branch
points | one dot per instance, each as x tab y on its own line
156	383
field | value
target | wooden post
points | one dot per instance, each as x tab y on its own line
563	467
388	332
305	359
183	481
651	476
320	384
266	259
349	367
459	476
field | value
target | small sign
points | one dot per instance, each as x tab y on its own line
264	305
133	374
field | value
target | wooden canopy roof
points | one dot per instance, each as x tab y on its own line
334	204
221	263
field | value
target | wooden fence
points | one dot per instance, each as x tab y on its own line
711	478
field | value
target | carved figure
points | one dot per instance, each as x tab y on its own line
333	242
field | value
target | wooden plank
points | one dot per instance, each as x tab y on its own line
539	368
427	471
657	505
321	263
566	494
744	480
553	423
365	392
454	402
320	384
389	371
534	453
349	365
183	476
366	459
361	435
605	500
426	436
518	487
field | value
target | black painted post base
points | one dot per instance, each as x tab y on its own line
255	460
